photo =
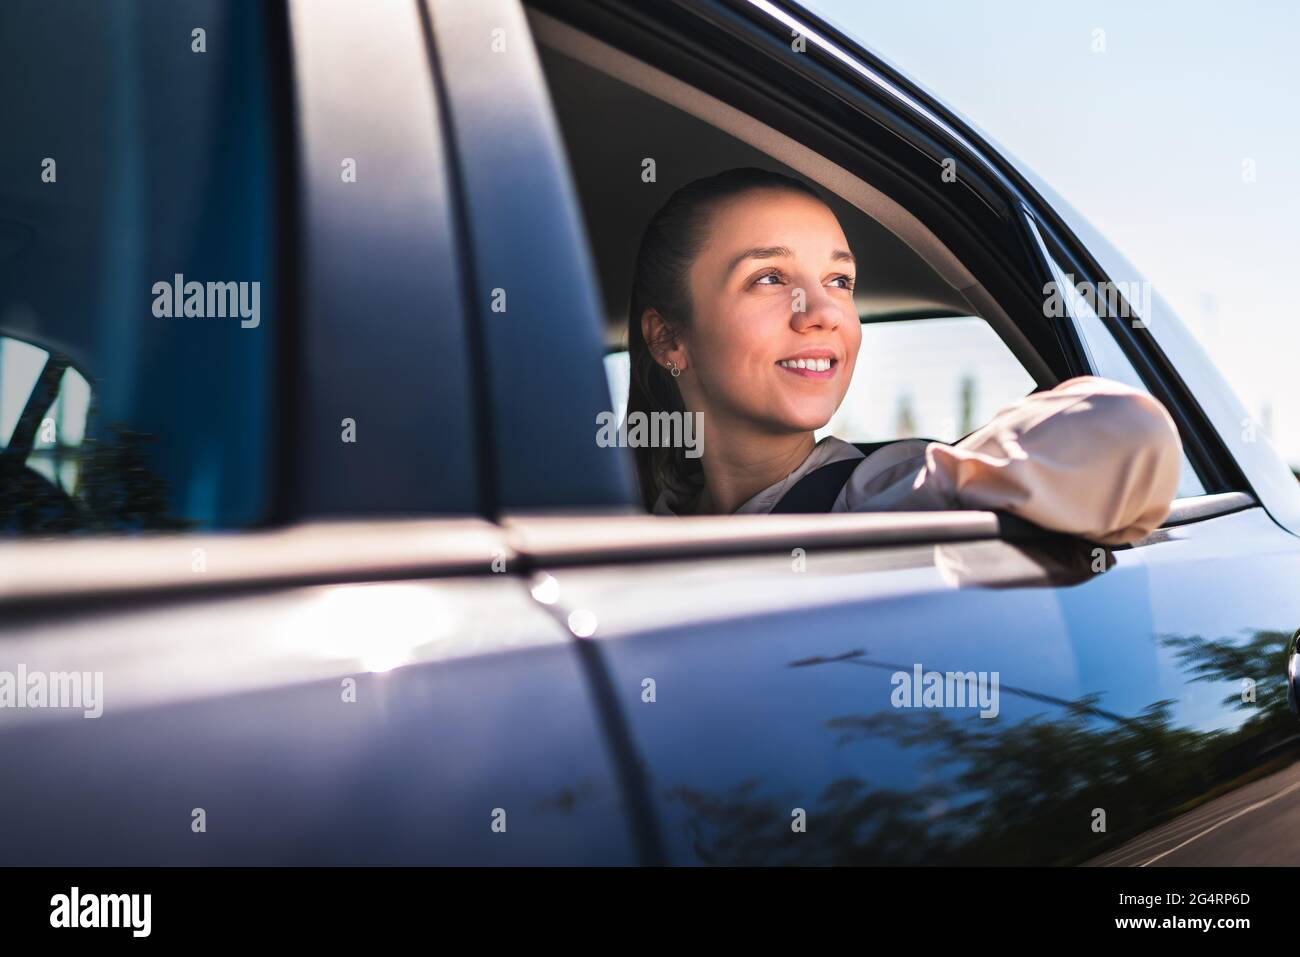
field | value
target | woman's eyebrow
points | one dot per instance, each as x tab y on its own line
777	252
760	252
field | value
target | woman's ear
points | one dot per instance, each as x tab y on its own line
659	337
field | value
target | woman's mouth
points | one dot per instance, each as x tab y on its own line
811	367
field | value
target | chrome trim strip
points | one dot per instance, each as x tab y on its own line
557	540
322	552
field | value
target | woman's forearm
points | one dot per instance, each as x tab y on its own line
1091	457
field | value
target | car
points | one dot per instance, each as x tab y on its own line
353	583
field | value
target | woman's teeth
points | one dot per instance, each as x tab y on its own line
816	365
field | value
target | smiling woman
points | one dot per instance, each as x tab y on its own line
763	259
742	315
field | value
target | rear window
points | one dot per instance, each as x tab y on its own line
137	294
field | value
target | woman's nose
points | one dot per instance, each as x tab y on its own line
819	310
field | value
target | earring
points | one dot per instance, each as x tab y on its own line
673	370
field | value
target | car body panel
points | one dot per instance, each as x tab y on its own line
772	691
350	724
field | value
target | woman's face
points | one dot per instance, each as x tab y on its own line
774	334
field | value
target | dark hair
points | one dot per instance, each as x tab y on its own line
669	245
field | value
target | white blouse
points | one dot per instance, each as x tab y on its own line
1091	457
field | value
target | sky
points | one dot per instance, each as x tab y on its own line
1149	139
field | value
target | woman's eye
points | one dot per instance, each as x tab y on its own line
774	276
845	282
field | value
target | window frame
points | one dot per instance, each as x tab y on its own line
375	258
533	318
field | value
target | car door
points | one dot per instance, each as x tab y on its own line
938	688
357	673
770	695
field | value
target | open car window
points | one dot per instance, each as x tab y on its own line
939	355
954	330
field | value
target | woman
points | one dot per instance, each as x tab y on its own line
742	311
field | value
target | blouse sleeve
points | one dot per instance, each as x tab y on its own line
1091	457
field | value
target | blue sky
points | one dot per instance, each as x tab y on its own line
1147	140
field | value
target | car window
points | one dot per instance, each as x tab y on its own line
137	295
930	365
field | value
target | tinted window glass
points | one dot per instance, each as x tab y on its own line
136	289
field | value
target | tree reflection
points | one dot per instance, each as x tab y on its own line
117	491
1023	793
